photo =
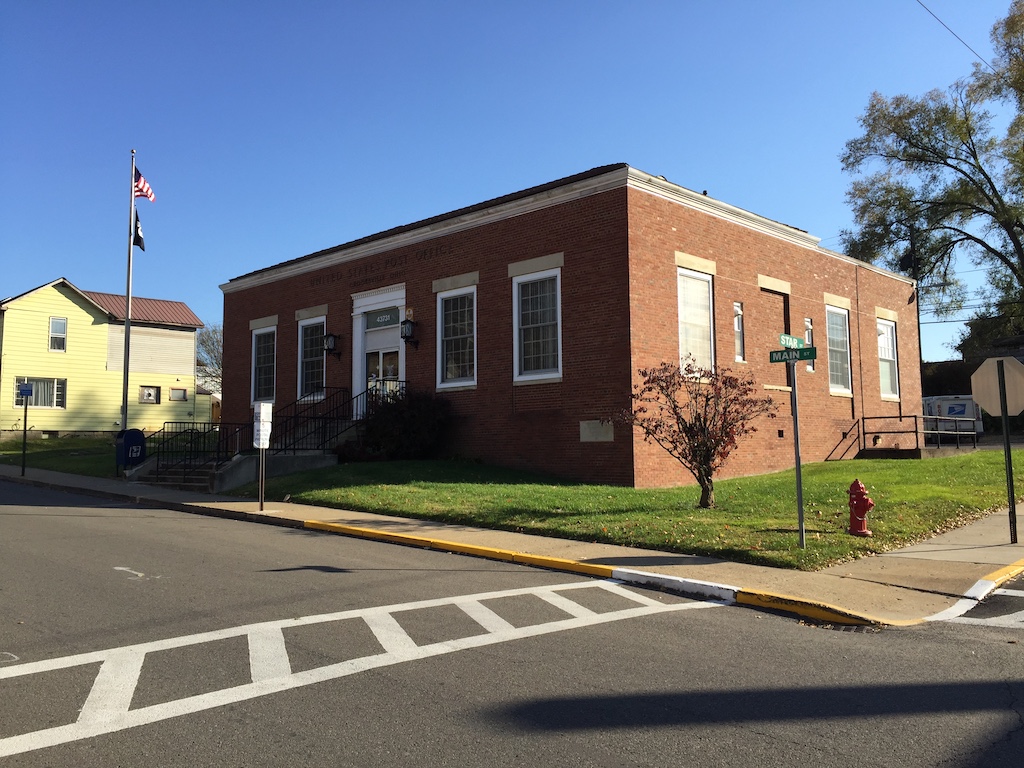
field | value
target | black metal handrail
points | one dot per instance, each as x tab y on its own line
320	426
309	423
850	439
313	423
918	430
182	448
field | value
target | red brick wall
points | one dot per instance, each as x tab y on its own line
619	313
528	425
658	229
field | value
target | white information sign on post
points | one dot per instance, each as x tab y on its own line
262	425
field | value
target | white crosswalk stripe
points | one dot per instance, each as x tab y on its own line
107	707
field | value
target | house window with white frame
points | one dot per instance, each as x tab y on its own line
46	393
311	357
58	334
887	366
537	316
737	324
837	328
696	319
264	361
456	348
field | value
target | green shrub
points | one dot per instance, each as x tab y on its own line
416	426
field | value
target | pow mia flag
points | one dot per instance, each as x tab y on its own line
137	238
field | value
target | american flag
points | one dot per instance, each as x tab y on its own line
142	188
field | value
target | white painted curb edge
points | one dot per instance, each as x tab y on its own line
675	584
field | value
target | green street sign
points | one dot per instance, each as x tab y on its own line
791	342
789	355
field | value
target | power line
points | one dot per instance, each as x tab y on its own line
954	34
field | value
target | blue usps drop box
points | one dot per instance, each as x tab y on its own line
131	447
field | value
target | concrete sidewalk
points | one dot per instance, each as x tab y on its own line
939	578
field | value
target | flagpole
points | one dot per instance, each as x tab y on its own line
128	301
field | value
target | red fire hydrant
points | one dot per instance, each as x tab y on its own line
860	505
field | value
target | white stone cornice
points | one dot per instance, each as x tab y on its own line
658	185
545	197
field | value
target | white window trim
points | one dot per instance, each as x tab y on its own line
550	375
739	330
321	320
26	379
709	279
455	383
809	340
890	326
51	336
845	313
252	367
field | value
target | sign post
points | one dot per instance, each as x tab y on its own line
795	349
262	426
998	387
25	393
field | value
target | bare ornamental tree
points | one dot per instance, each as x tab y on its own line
697	415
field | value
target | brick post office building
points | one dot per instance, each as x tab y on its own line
531	314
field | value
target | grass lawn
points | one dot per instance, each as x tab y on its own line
755	520
76	455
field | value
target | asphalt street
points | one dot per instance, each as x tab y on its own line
216	642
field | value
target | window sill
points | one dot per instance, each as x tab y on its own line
841	393
890	398
546	380
456	386
778	388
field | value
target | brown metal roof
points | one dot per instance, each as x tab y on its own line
159	311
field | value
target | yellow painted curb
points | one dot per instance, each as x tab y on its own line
561	564
1011	571
492	553
813	610
367	533
472	549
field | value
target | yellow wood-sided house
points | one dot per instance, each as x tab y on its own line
69	345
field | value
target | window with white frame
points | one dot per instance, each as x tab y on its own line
264	361
887	367
809	339
311	357
737	324
538	320
696	319
46	393
456	327
837	328
58	334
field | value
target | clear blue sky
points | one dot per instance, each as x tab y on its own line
270	130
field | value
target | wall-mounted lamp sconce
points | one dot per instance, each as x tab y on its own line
331	345
406	331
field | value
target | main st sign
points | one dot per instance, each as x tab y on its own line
789	355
